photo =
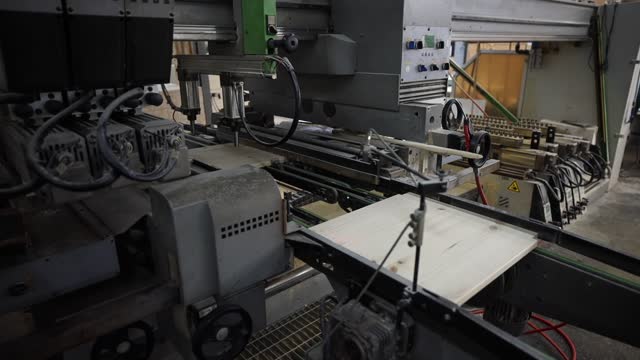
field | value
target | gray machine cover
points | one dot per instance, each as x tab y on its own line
219	233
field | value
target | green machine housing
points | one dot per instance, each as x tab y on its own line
259	22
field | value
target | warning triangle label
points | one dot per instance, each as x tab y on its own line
514	187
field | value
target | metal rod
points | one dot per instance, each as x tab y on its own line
283	282
416	269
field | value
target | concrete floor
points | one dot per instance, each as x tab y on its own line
612	221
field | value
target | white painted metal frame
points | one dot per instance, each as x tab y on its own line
625	128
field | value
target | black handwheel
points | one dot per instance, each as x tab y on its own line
451	120
223	334
133	342
480	144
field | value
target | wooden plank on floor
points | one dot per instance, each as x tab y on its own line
462	252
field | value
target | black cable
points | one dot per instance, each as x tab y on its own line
35	163
601	160
557	183
575	183
600	172
552	190
575	169
584	170
556	172
567	179
173	106
167	164
284	62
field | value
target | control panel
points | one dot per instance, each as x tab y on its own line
425	53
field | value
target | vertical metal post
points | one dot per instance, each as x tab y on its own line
417	236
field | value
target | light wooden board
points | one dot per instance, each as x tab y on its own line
462	252
226	156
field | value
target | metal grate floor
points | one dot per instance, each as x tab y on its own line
291	337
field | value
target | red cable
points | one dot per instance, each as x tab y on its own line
550	341
554	327
467	134
541	331
567	339
483	196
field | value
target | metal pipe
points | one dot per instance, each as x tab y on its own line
285	281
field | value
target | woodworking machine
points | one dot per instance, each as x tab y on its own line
119	227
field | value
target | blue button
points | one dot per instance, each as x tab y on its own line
411	45
422	68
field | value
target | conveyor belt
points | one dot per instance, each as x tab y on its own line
291	337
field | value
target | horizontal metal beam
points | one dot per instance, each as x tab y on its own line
521	20
204	33
250	65
487	20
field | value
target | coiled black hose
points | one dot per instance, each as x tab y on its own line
297	106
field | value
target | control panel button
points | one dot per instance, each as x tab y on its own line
422	68
411	45
440	45
434	67
445	66
420	45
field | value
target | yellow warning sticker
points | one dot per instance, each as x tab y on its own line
514	187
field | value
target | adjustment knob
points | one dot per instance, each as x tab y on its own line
154	99
289	43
